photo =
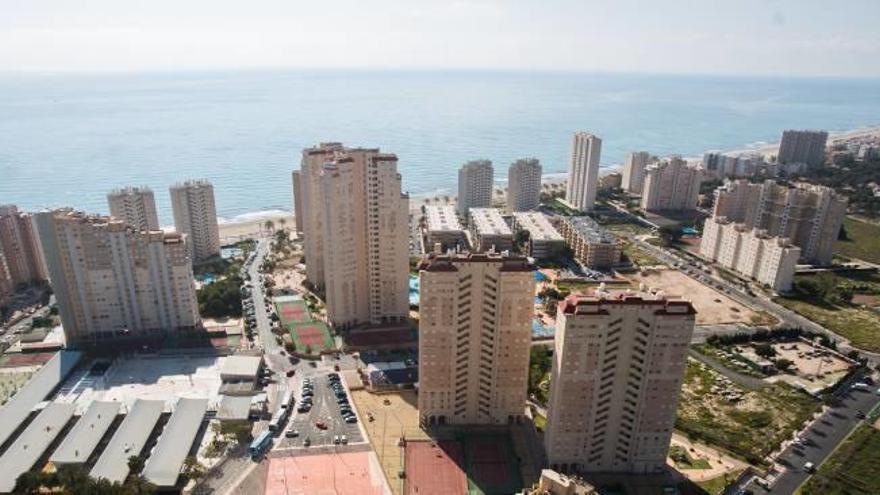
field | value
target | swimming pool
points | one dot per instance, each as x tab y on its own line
413	289
539	329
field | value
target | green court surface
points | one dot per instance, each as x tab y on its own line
491	465
307	333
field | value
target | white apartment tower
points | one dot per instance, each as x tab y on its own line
474	339
524	185
135	206
476	179
20	247
671	185
583	172
618	366
806	147
195	215
633	176
356	227
112	281
296	177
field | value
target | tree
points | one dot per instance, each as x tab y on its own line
135	465
766	351
521	240
269	225
783	364
193	469
669	234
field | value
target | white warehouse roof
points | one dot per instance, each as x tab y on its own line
238	367
29	447
82	439
128	440
163	466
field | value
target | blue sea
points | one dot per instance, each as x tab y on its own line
65	140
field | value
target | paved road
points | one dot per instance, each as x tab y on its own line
326	410
749	382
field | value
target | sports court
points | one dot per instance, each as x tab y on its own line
306	332
346	473
292	311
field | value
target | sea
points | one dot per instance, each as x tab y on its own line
68	139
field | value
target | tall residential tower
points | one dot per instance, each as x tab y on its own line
583	172
135	206
20	247
195	215
524	185
633	177
475	181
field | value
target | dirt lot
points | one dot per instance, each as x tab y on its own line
713	307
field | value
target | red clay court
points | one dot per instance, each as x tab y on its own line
434	468
315	335
481	464
292	312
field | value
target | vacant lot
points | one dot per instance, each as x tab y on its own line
863	241
854	469
750	426
861	326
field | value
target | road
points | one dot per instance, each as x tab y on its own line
325	410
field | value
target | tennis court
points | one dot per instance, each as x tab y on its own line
434	468
314	336
292	311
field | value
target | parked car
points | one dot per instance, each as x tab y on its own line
321	425
291	433
809	467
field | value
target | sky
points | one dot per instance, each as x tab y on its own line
742	37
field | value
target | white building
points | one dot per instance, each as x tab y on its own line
806	147
195	214
544	240
443	228
671	185
296	178
524	185
135	206
475	182
488	230
583	172
633	174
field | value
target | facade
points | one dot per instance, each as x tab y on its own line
610	182
750	252
5	282
135	206
583	172
553	483
475	182
443	228
633	175
356	233
809	216
806	147
112	281
474	339
591	245
296	177
671	185
20	248
544	240
195	215
489	231
524	185
618	367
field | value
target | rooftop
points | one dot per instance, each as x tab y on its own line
577	304
587	228
538	226
128	440
442	218
29	447
82	439
447	262
488	221
163	466
239	366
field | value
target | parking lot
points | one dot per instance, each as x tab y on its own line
324	410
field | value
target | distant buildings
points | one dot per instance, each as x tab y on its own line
633	175
356	230
195	215
475	182
591	245
524	185
808	215
489	231
726	165
618	366
803	147
135	206
20	248
296	177
583	173
610	182
112	281
751	252
475	332
544	240
443	228
5	282
671	185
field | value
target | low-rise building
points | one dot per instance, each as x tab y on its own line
610	182
489	230
442	227
553	483
591	245
544	240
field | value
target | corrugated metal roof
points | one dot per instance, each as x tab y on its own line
29	447
82	439
128	440
163	466
35	391
241	366
234	407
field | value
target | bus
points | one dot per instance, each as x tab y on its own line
287	400
260	444
278	420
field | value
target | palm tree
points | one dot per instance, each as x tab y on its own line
282	221
270	225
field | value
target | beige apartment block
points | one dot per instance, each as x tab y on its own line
809	216
442	228
618	366
583	171
135	206
553	483
544	240
610	182
296	178
751	252
5	282
489	231
807	147
195	215
476	179
592	246
524	185
356	228
112	281
671	185
20	247
633	174
475	333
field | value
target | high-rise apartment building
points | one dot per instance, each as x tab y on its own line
591	245
618	367
356	231
583	172
524	185
296	177
5	282
20	247
476	180
671	185
474	338
808	215
195	214
633	174
112	281
135	206
803	147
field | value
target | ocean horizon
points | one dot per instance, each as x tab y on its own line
68	139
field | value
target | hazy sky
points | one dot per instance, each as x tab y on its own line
780	37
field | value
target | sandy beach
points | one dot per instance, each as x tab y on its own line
231	232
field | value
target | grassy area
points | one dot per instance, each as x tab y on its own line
752	425
729	359
863	241
716	486
683	460
861	326
639	256
853	469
